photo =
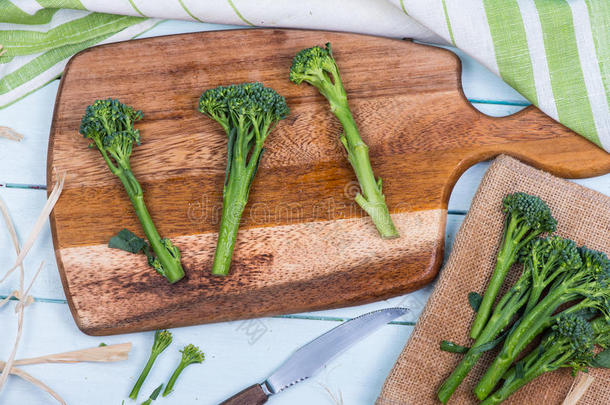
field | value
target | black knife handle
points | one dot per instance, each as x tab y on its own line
253	395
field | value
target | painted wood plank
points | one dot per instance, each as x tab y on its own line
238	354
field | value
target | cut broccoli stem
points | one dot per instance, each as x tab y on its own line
372	200
234	201
161	341
317	67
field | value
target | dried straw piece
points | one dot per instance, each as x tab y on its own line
35	381
581	384
2	51
10	133
108	353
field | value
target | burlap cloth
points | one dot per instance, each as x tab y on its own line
582	214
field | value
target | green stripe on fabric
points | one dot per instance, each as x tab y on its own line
599	16
9	13
20	42
567	81
44	62
402	5
239	14
73	4
133	5
510	45
188	11
448	22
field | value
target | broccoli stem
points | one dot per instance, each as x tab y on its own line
136	388
530	326
507	255
235	198
172	380
172	268
506	309
372	200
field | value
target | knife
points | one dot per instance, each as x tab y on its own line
307	360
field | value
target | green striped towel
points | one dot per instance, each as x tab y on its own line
556	53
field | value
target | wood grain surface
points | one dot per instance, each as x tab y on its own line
304	244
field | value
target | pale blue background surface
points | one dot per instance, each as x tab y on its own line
238	353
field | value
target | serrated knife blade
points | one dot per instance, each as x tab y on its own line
309	359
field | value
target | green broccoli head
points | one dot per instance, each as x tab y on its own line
163	338
246	107
313	65
577	334
191	354
531	211
596	264
110	125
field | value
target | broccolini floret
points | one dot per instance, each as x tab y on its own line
317	67
190	355
247	112
162	340
110	125
588	285
570	343
527	217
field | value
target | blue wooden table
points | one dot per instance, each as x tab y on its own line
238	353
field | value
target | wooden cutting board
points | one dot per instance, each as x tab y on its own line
304	244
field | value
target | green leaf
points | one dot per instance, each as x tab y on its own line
451	347
474	299
127	241
102	344
519	372
154	395
602	359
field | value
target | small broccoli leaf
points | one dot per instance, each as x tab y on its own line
127	241
102	344
519	373
156	392
485	347
451	347
602	359
474	299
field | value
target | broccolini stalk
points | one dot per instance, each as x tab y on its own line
317	67
588	284
161	342
570	344
190	355
110	125
527	217
247	112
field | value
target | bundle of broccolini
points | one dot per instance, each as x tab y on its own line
555	273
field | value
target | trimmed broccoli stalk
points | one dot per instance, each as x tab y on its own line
317	67
527	217
247	112
110	125
190	355
161	342
570	344
588	285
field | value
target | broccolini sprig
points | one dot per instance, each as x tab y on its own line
317	67
190	355
110	125
161	341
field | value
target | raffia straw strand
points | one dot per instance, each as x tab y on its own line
42	218
581	384
2	51
31	379
19	308
108	353
10	133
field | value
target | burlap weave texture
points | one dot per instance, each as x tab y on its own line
582	215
